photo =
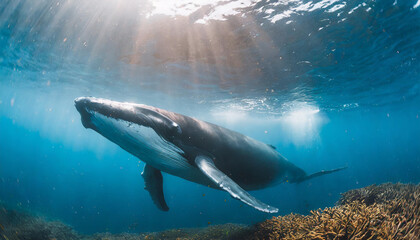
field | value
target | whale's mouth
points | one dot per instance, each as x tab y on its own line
139	129
142	138
141	115
88	107
96	113
85	114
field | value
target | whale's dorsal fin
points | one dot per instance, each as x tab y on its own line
206	165
153	183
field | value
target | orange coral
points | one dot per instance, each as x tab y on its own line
392	213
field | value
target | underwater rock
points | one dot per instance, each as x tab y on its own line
23	226
222	232
19	225
387	211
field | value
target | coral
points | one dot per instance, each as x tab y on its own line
380	193
388	211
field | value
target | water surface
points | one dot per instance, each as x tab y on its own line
329	83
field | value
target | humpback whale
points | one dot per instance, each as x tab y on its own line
189	148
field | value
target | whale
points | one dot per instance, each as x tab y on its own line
191	149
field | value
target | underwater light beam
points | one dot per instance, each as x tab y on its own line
303	124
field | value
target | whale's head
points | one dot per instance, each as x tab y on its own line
91	109
142	130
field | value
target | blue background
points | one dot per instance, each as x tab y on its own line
355	104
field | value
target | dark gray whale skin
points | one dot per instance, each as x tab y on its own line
249	163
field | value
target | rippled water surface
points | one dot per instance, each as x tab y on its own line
329	83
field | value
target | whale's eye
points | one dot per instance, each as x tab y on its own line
177	128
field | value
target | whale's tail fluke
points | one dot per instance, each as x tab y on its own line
317	174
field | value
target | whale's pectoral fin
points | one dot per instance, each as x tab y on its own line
206	165
153	183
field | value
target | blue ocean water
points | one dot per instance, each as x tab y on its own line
328	83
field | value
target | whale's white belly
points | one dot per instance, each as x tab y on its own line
144	143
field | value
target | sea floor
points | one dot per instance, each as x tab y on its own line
386	211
